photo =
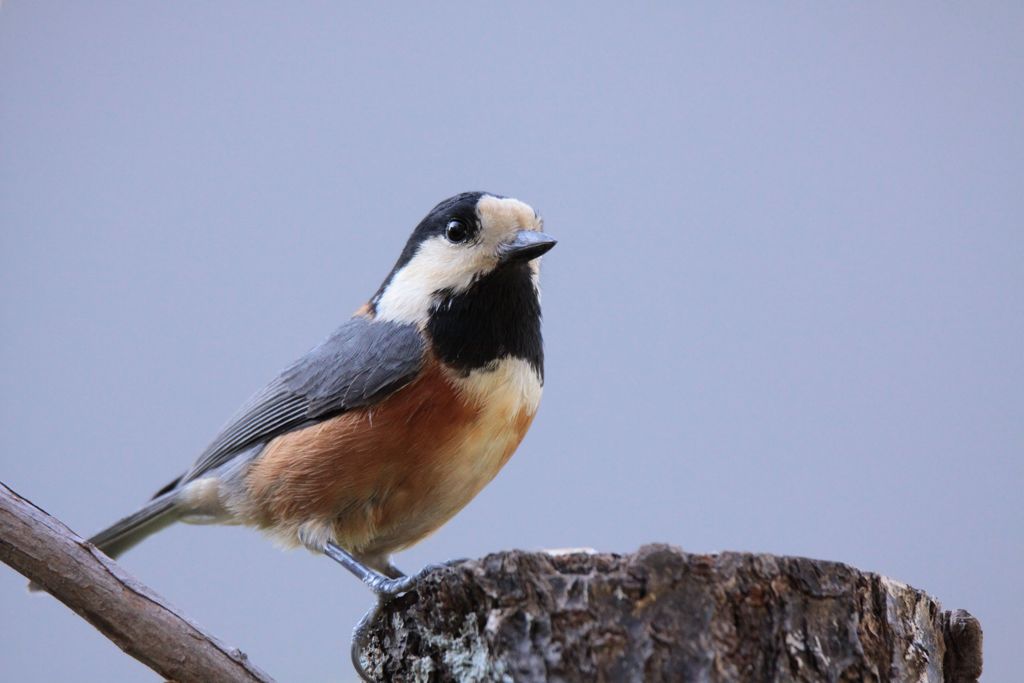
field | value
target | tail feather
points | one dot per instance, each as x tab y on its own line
155	515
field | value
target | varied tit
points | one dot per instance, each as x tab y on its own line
379	435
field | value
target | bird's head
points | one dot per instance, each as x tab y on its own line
461	242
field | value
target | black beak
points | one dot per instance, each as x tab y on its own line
527	245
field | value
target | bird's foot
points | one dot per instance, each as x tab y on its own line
360	637
388	589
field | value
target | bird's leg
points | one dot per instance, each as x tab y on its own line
379	570
385	580
380	564
389	570
379	583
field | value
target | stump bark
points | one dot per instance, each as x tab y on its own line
664	615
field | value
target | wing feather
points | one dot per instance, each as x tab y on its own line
362	362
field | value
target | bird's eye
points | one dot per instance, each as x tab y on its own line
456	231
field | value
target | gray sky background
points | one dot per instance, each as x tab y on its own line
785	314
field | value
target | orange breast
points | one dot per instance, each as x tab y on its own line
384	477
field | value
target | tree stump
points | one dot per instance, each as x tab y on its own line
664	615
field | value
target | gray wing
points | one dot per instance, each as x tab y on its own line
362	362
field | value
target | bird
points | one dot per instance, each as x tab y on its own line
386	429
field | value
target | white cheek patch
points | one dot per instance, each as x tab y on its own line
440	265
437	265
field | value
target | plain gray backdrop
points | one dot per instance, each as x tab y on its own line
785	313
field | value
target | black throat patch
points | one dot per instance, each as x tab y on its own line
498	316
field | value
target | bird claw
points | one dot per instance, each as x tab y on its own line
360	635
387	588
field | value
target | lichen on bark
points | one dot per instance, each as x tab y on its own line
661	614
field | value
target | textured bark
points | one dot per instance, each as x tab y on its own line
665	615
139	621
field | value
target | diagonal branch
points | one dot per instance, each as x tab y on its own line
127	612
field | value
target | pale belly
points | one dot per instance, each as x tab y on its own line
380	480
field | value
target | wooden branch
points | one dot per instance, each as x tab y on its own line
138	620
665	615
660	614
